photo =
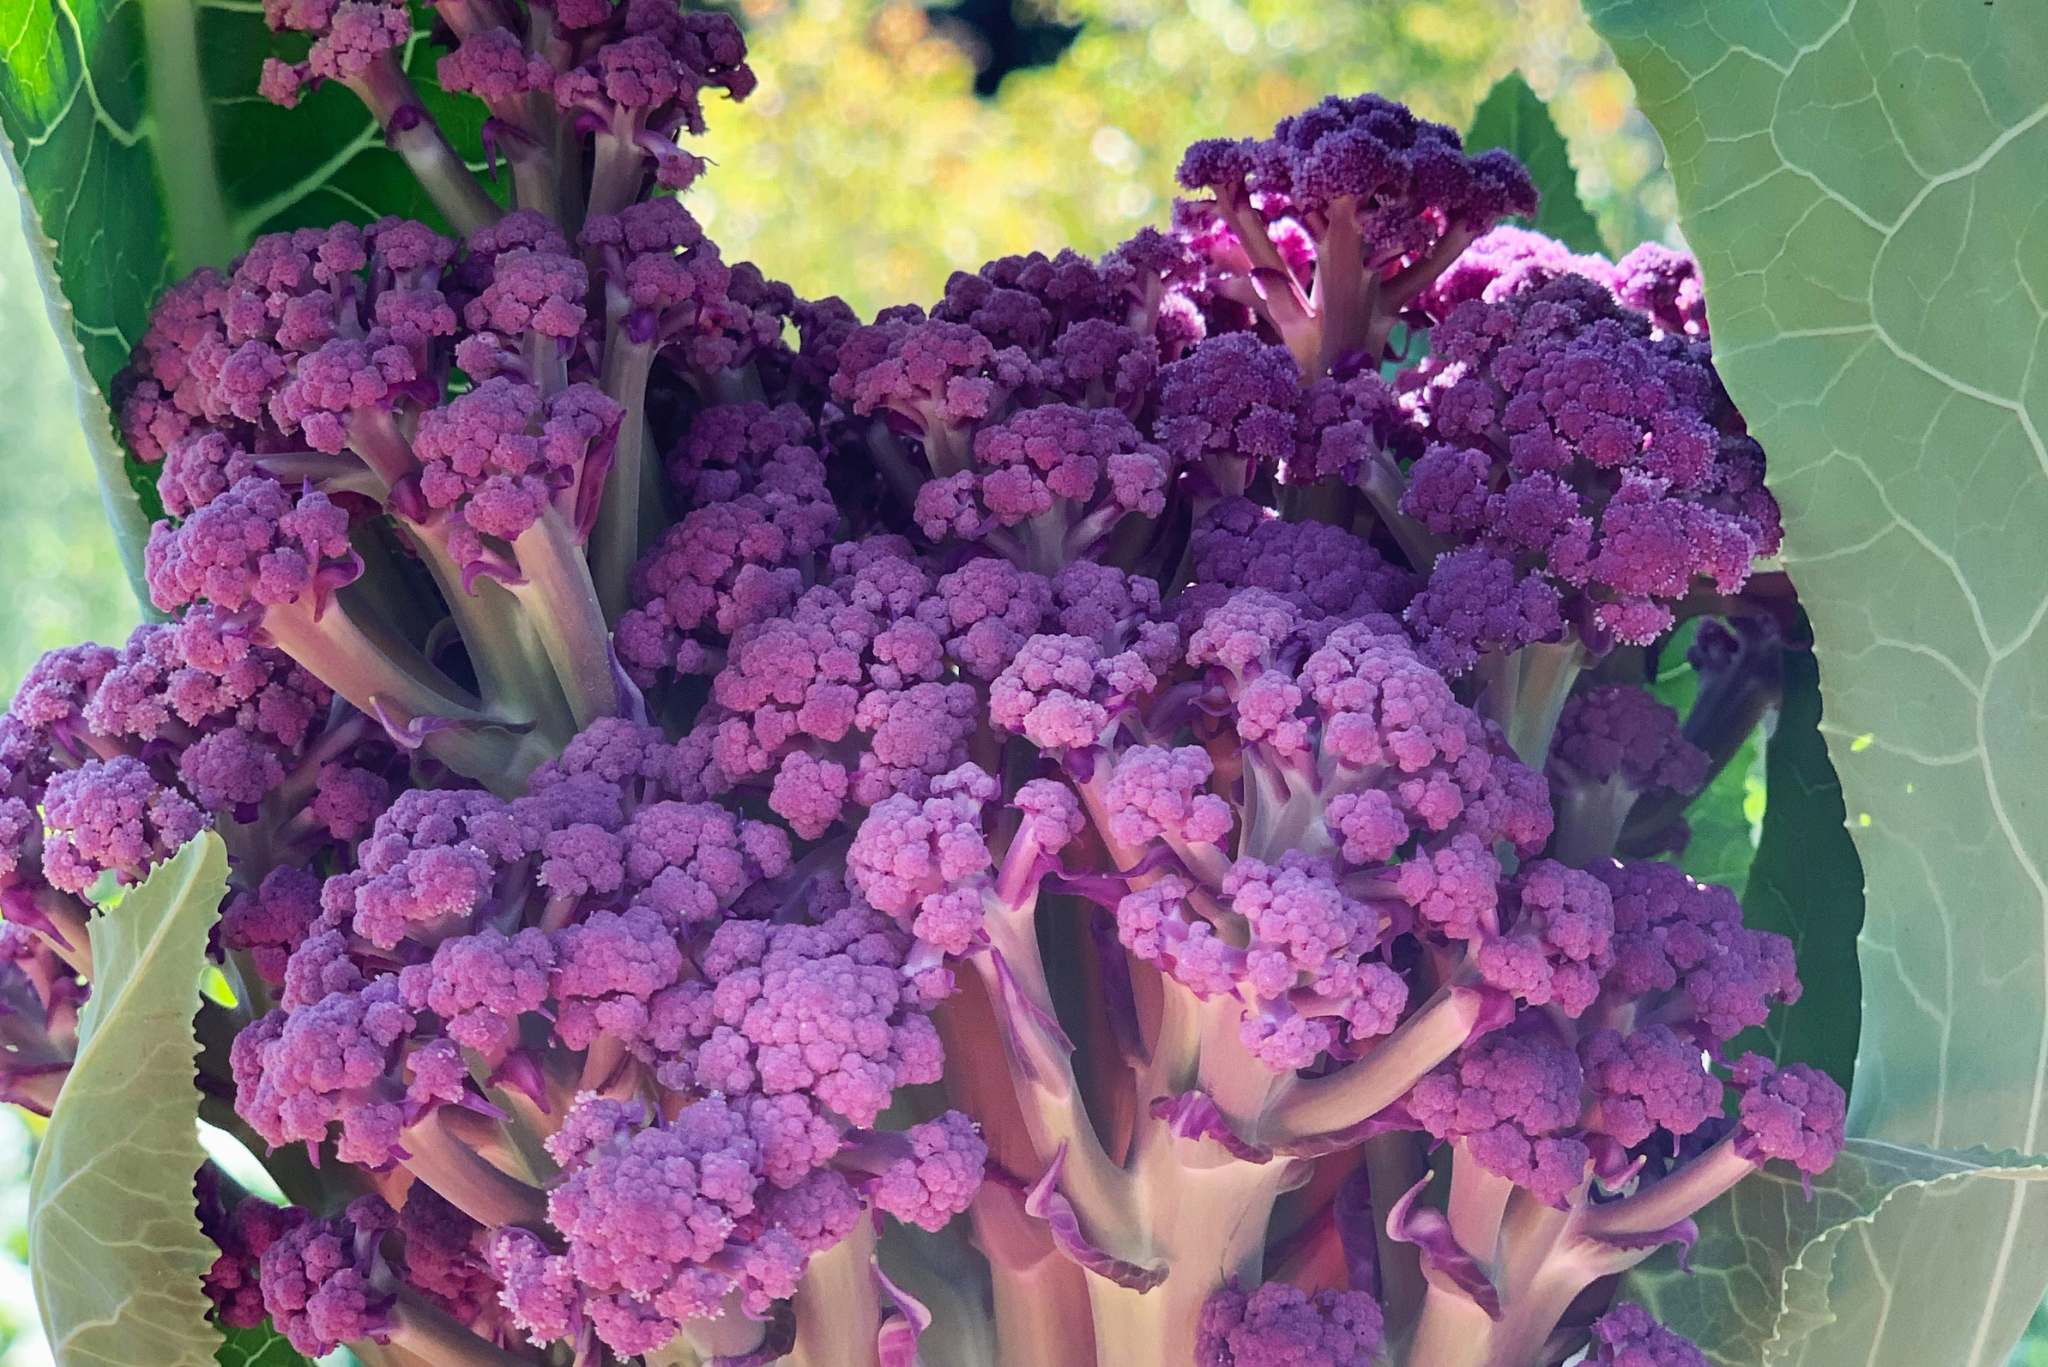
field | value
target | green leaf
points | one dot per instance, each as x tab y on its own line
1723	836
261	1346
1861	180
144	151
1807	883
115	1249
1511	116
1852	1274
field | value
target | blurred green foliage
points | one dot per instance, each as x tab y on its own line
63	582
866	166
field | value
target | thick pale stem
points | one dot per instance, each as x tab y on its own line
561	602
1544	677
1342	297
1394	1163
432	1335
369	672
615	542
1675	1198
1208	1225
1361	1090
485	1193
618	173
1589	821
1053	1108
1042	1317
838	1307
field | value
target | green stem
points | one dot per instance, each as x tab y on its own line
1544	675
562	605
623	509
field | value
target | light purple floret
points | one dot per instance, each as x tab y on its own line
1279	1325
1513	1098
1627	1336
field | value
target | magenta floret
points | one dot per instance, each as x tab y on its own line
1796	1113
1513	1098
1279	1325
1626	1336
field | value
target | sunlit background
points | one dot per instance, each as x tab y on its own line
890	143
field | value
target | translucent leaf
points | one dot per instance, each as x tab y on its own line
1861	180
1512	116
115	1249
1852	1273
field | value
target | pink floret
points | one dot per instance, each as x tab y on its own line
1155	791
1796	1113
111	817
1279	1325
1626	1336
939	1175
1648	1080
1513	1097
254	544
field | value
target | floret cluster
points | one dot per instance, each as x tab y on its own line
1111	819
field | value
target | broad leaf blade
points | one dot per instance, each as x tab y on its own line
1890	1233
115	1248
1860	179
1807	883
1511	116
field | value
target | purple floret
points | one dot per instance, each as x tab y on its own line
1650	1079
1227	408
321	1278
1513	1098
1675	936
1666	285
1279	1325
1626	1336
255	544
1556	942
1620	732
112	817
1796	1113
1610	467
936	1176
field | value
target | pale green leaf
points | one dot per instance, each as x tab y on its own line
1511	116
1862	182
115	1248
1850	1274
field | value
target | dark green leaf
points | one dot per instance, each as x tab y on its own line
261	1346
1807	882
1511	116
